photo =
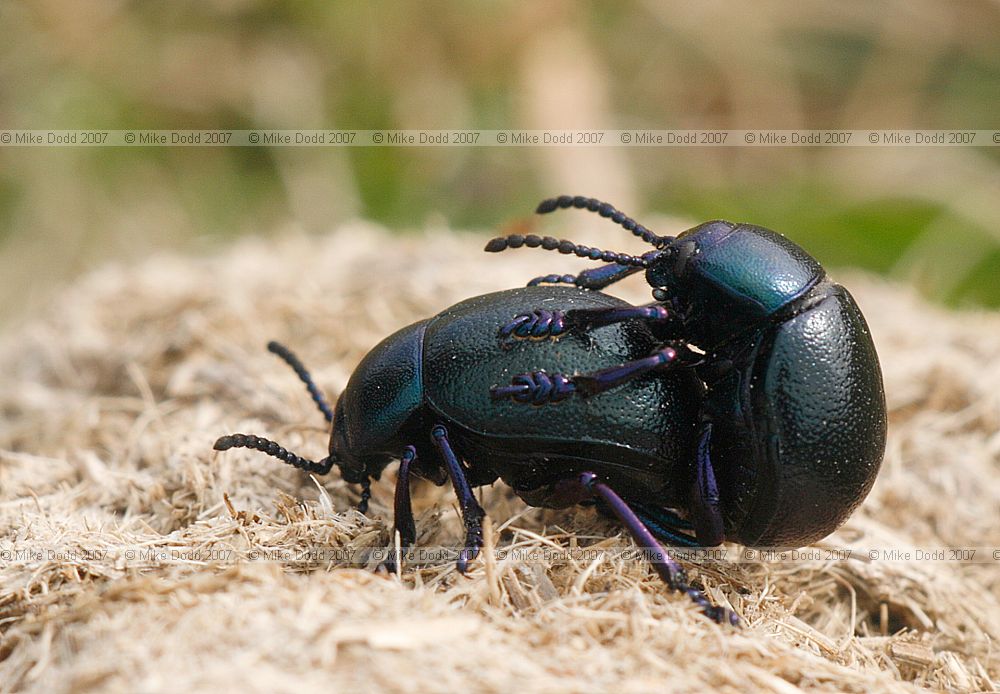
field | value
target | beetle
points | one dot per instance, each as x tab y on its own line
429	396
792	426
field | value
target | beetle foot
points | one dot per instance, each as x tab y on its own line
536	388
473	542
716	613
366	495
538	325
473	520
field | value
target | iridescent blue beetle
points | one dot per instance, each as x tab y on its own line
793	424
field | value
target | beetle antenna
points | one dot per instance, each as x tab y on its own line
224	443
289	358
564	202
550	243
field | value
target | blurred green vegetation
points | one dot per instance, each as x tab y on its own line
926	215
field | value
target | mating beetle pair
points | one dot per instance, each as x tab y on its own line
747	397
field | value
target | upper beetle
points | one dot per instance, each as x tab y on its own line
793	424
424	395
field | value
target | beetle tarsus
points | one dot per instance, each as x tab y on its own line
536	388
366	495
537	325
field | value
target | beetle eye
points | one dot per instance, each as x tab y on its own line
661	294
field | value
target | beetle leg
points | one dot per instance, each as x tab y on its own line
666	525
665	566
606	379
402	509
540	388
599	317
472	512
542	323
594	278
705	511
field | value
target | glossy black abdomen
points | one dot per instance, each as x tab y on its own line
818	422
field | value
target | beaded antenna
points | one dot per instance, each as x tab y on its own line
606	210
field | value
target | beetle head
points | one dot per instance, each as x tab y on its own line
353	468
730	277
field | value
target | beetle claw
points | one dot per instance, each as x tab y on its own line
467	554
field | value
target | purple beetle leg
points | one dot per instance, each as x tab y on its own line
598	317
606	379
669	570
705	511
598	278
595	278
472	512
541	388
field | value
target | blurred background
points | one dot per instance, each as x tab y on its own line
927	215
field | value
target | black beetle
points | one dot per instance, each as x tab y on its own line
793	423
424	395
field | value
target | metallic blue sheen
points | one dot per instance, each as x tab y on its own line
758	267
383	392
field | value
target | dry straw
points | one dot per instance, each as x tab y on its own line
111	401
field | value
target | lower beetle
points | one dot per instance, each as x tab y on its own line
423	395
793	423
